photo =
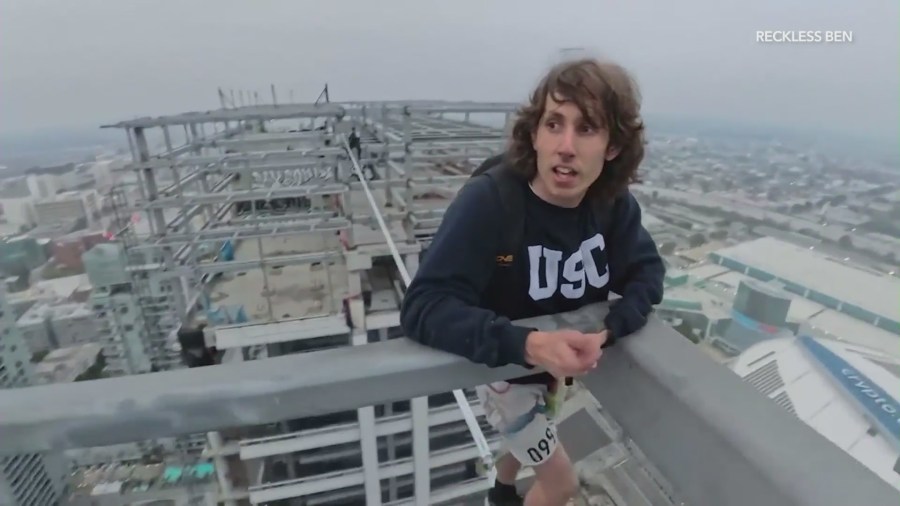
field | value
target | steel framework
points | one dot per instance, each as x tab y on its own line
288	170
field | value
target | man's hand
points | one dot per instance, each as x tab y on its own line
564	352
591	346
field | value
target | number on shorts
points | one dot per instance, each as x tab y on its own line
542	449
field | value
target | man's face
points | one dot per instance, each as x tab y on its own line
570	154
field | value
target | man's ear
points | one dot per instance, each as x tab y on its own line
612	152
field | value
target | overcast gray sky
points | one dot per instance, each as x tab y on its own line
89	62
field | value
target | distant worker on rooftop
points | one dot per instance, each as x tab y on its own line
547	227
354	142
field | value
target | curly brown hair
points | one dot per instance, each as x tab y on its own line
609	98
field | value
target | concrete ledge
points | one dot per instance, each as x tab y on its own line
714	437
133	408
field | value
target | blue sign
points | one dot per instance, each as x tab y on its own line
882	408
752	324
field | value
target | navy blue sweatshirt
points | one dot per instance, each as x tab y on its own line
463	297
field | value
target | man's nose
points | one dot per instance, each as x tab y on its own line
566	146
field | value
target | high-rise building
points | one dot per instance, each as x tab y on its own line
119	316
26	479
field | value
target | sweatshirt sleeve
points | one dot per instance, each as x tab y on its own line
440	308
636	268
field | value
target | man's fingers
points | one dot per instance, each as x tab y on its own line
571	361
579	353
592	351
598	337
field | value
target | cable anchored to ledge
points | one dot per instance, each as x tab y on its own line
484	449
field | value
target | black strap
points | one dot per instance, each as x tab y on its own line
512	197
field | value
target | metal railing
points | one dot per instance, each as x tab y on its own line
715	439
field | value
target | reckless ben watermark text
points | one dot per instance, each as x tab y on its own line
804	36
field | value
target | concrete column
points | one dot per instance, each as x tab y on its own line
391	441
358	311
421	452
215	444
348	213
367	439
369	447
290	463
388	192
407	130
409	206
206	188
204	181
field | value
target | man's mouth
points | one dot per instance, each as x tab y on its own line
562	170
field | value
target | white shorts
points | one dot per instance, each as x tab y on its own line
524	416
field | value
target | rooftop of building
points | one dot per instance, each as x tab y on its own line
295	291
53	230
51	169
827	384
71	310
714	287
64	287
37	313
66	364
699	253
64	196
133	479
804	266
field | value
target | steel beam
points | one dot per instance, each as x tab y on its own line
473	142
462	107
283	260
287	218
237	160
440	181
311	163
315	136
306	190
247	113
458	156
249	232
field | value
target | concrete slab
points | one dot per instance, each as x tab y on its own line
278	332
295	291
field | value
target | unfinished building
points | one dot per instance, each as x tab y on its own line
288	228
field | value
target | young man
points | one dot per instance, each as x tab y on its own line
575	148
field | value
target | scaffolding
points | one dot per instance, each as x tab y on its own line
248	180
